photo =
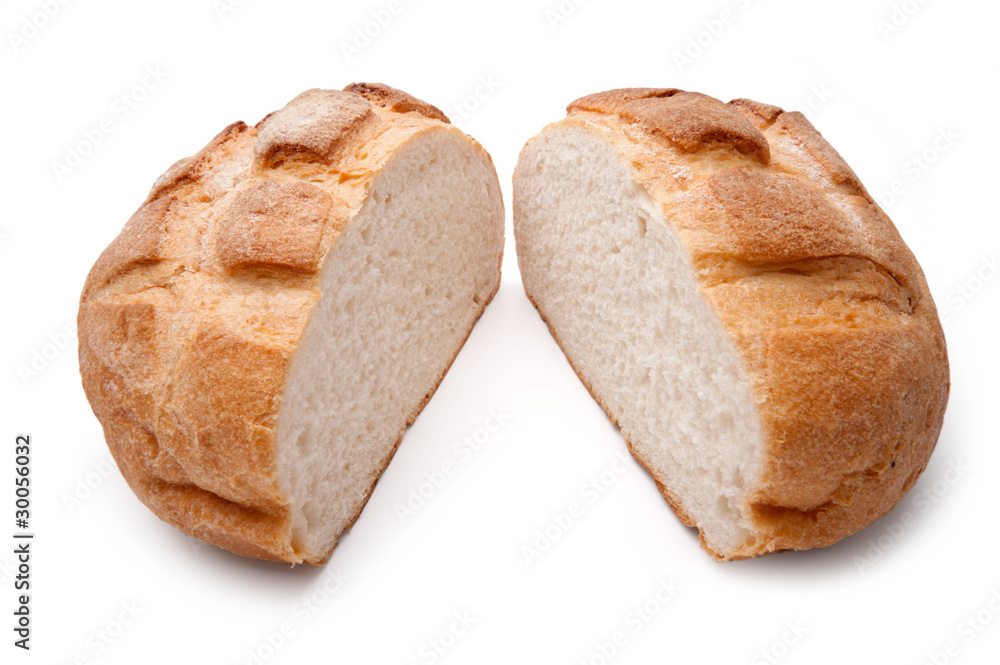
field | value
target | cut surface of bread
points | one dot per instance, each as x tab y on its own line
400	291
728	291
280	308
619	291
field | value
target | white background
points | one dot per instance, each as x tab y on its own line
879	96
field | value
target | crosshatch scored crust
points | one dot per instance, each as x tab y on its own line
189	319
826	306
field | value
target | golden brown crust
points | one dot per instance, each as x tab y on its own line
190	318
829	310
188	169
274	223
761	115
772	217
313	127
689	120
395	100
140	242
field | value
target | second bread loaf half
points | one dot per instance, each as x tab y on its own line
730	293
281	306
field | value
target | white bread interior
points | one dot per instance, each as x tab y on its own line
400	290
620	293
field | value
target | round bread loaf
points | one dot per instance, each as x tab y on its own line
733	297
281	306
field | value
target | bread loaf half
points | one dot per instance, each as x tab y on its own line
281	306
730	293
